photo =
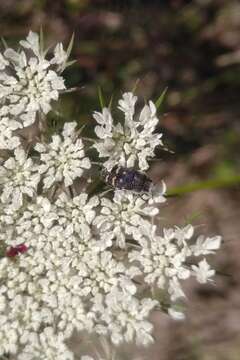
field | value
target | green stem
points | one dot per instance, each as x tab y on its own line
205	185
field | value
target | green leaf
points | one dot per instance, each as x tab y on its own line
47	50
110	102
159	101
69	63
4	43
70	45
101	98
81	129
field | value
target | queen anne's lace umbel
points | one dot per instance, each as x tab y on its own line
62	159
132	143
28	81
19	177
73	259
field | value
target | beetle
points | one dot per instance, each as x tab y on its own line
120	177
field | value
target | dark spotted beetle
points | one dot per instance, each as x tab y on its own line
127	179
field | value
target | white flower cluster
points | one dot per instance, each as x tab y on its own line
164	260
123	216
28	85
18	177
62	159
71	261
123	318
130	144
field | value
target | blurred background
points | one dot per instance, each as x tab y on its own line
193	48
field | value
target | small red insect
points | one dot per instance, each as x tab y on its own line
16	250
